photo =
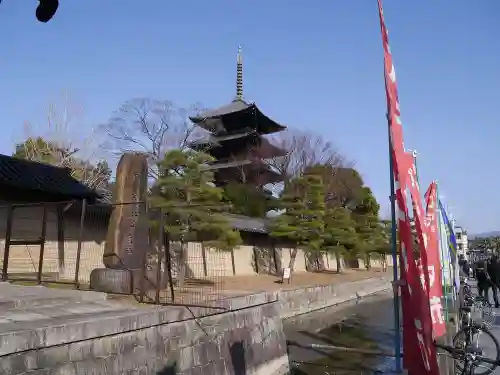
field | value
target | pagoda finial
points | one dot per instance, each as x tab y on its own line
239	75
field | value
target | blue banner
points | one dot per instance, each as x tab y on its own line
452	241
452	244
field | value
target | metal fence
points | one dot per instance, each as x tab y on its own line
63	243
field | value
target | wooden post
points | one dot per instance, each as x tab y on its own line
204	258
232	262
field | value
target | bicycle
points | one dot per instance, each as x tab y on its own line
472	357
465	343
478	303
468	338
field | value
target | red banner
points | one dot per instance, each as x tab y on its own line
412	356
434	288
417	329
419	334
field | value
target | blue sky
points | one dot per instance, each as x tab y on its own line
310	65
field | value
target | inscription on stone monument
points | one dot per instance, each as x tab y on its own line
127	238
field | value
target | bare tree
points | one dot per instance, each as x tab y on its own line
64	142
150	126
303	150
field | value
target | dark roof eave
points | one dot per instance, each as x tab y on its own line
43	178
235	107
276	127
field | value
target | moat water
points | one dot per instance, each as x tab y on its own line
367	324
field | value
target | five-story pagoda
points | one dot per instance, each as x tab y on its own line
236	140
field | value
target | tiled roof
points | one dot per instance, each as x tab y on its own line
235	117
248	224
30	175
234	106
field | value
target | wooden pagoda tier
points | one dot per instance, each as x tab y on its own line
237	144
249	143
256	172
236	117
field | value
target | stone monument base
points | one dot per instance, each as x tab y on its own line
109	280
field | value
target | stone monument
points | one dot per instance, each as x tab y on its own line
127	237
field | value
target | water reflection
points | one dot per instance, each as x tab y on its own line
366	324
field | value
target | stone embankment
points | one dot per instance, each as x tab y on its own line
57	332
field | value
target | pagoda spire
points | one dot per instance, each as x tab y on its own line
239	75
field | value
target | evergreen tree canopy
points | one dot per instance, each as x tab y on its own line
193	204
366	215
248	200
303	218
340	230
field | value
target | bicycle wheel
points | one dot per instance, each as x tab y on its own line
471	335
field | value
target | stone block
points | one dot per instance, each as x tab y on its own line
79	351
65	369
110	280
52	356
18	363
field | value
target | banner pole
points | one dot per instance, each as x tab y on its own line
414	154
394	248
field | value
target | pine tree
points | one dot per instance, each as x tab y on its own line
385	245
302	220
193	204
367	225
313	218
339	233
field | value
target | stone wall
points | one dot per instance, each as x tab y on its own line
60	258
246	339
305	300
249	341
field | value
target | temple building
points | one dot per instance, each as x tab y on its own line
236	139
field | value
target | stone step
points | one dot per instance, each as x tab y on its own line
32	302
19	296
53	312
24	330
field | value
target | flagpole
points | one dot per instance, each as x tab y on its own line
414	154
394	248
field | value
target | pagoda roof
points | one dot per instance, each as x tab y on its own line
214	140
223	146
236	116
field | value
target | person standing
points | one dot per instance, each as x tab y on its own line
493	269
466	268
484	282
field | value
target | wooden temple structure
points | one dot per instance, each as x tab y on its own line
237	139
